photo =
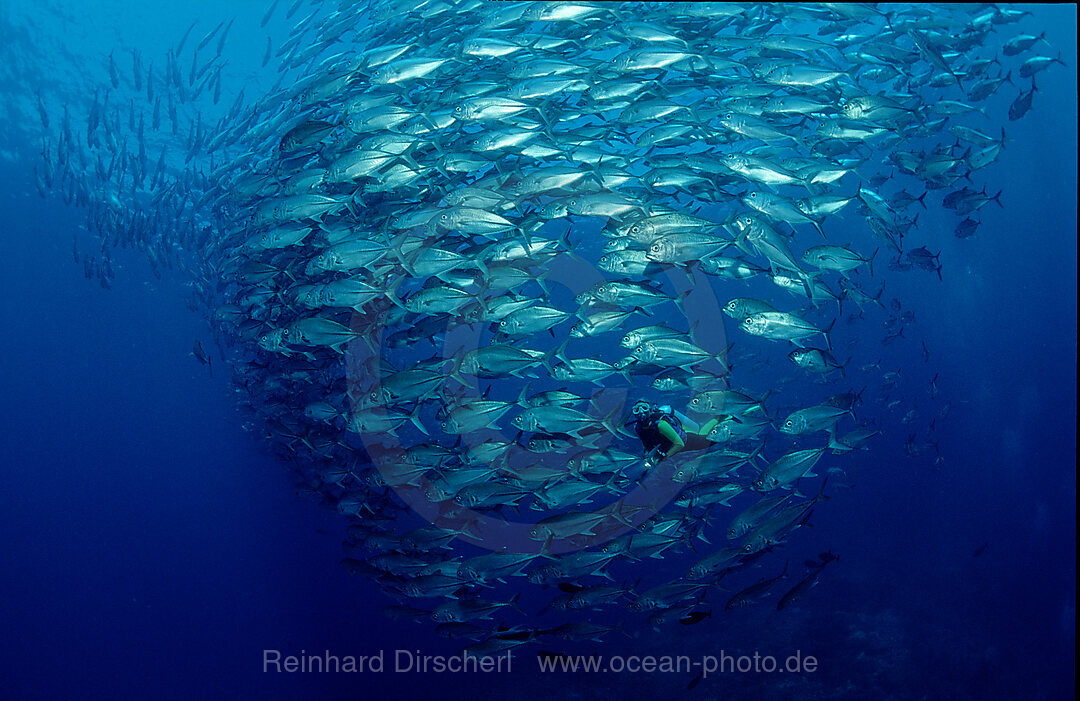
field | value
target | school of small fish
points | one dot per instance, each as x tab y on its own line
460	239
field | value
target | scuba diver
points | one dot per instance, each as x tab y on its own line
663	433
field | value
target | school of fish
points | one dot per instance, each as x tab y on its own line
454	245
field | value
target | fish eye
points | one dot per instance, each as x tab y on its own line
284	332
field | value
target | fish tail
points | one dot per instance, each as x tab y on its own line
825	333
821	490
455	366
606	421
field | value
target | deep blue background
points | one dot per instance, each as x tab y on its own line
152	548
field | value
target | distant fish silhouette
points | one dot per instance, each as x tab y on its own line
823	559
198	351
980	550
695	617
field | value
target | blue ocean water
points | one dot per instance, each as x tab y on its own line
155	547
